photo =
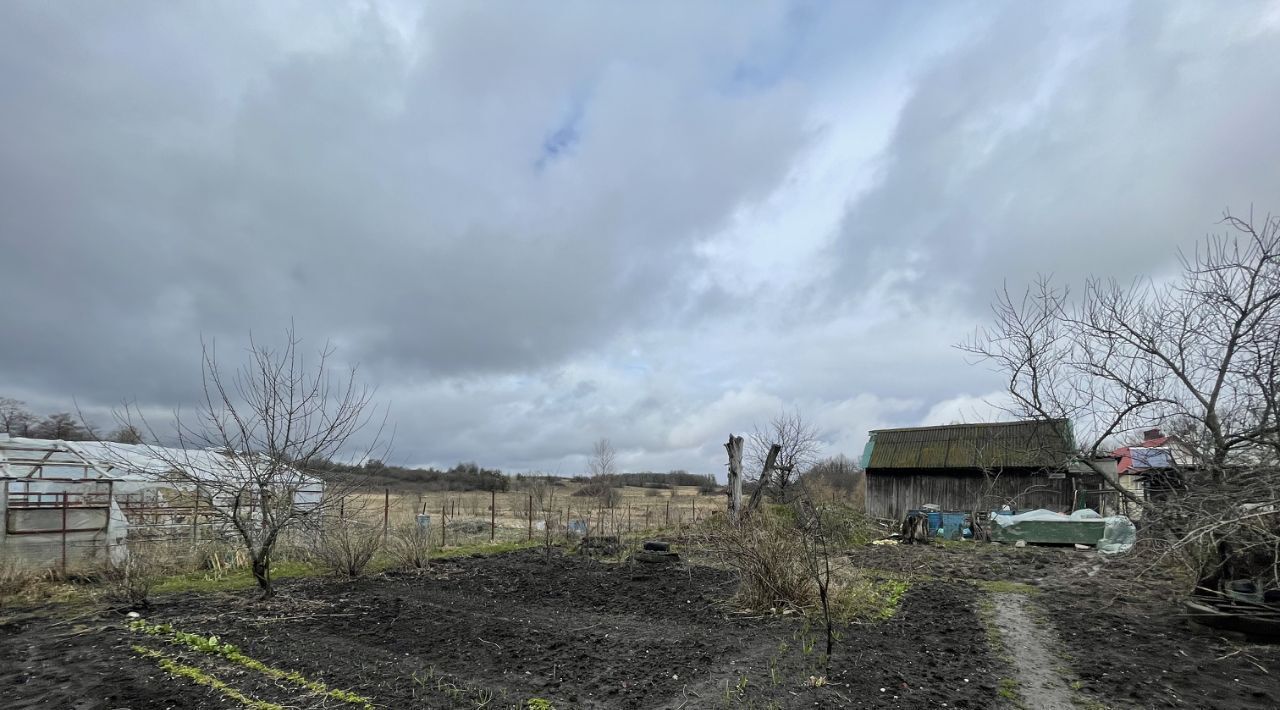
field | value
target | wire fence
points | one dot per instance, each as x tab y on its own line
192	535
470	518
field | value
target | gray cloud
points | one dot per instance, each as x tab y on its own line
1083	139
534	227
385	196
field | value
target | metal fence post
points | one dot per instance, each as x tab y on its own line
64	531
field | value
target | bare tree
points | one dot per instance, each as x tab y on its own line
1197	353
126	435
841	475
604	460
543	494
62	426
258	442
1199	349
799	446
15	419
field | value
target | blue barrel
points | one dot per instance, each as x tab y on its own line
953	525
935	522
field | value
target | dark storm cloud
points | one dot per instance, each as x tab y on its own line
181	175
655	222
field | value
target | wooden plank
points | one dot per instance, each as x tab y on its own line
891	495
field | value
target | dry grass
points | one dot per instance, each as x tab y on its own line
637	509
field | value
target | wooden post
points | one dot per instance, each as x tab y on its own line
530	516
734	447
764	477
386	514
628	517
195	518
493	513
443	526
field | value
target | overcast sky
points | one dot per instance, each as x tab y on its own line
537	224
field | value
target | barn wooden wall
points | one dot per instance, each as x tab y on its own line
891	495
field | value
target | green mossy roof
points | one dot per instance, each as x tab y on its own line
1029	444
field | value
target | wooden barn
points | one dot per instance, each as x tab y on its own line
969	467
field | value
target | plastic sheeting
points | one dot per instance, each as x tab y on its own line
1118	536
1118	532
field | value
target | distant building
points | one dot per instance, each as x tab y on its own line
1157	451
970	467
1151	468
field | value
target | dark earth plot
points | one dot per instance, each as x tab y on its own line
498	632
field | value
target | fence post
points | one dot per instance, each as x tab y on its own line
443	508
195	519
386	514
666	520
64	531
628	517
493	513
530	516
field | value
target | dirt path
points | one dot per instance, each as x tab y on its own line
1039	671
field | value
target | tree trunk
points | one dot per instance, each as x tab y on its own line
734	447
262	574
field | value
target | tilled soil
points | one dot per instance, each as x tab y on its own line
499	631
1119	628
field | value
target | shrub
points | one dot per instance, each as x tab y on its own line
602	490
128	581
347	547
768	553
410	546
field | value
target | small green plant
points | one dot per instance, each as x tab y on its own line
212	646
1008	690
538	704
180	670
867	598
431	681
735	694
